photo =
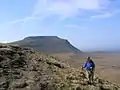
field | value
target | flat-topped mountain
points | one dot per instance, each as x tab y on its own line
48	44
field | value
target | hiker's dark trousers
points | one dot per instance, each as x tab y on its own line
90	75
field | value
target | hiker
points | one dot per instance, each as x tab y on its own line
89	66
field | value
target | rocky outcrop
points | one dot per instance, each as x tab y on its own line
27	69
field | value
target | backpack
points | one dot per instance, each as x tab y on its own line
92	64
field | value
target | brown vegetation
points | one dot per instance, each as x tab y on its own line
26	69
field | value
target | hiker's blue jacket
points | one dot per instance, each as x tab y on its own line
89	65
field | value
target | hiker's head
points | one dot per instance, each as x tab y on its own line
88	58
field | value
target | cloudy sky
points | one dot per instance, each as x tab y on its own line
87	24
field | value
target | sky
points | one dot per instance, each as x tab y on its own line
90	25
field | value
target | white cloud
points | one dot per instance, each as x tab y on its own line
105	15
19	20
65	9
87	4
68	8
23	20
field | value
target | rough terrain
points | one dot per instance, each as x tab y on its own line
107	63
28	69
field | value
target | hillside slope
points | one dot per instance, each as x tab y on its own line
48	44
27	69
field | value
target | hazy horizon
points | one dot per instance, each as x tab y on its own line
90	25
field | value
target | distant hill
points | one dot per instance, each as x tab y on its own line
48	44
